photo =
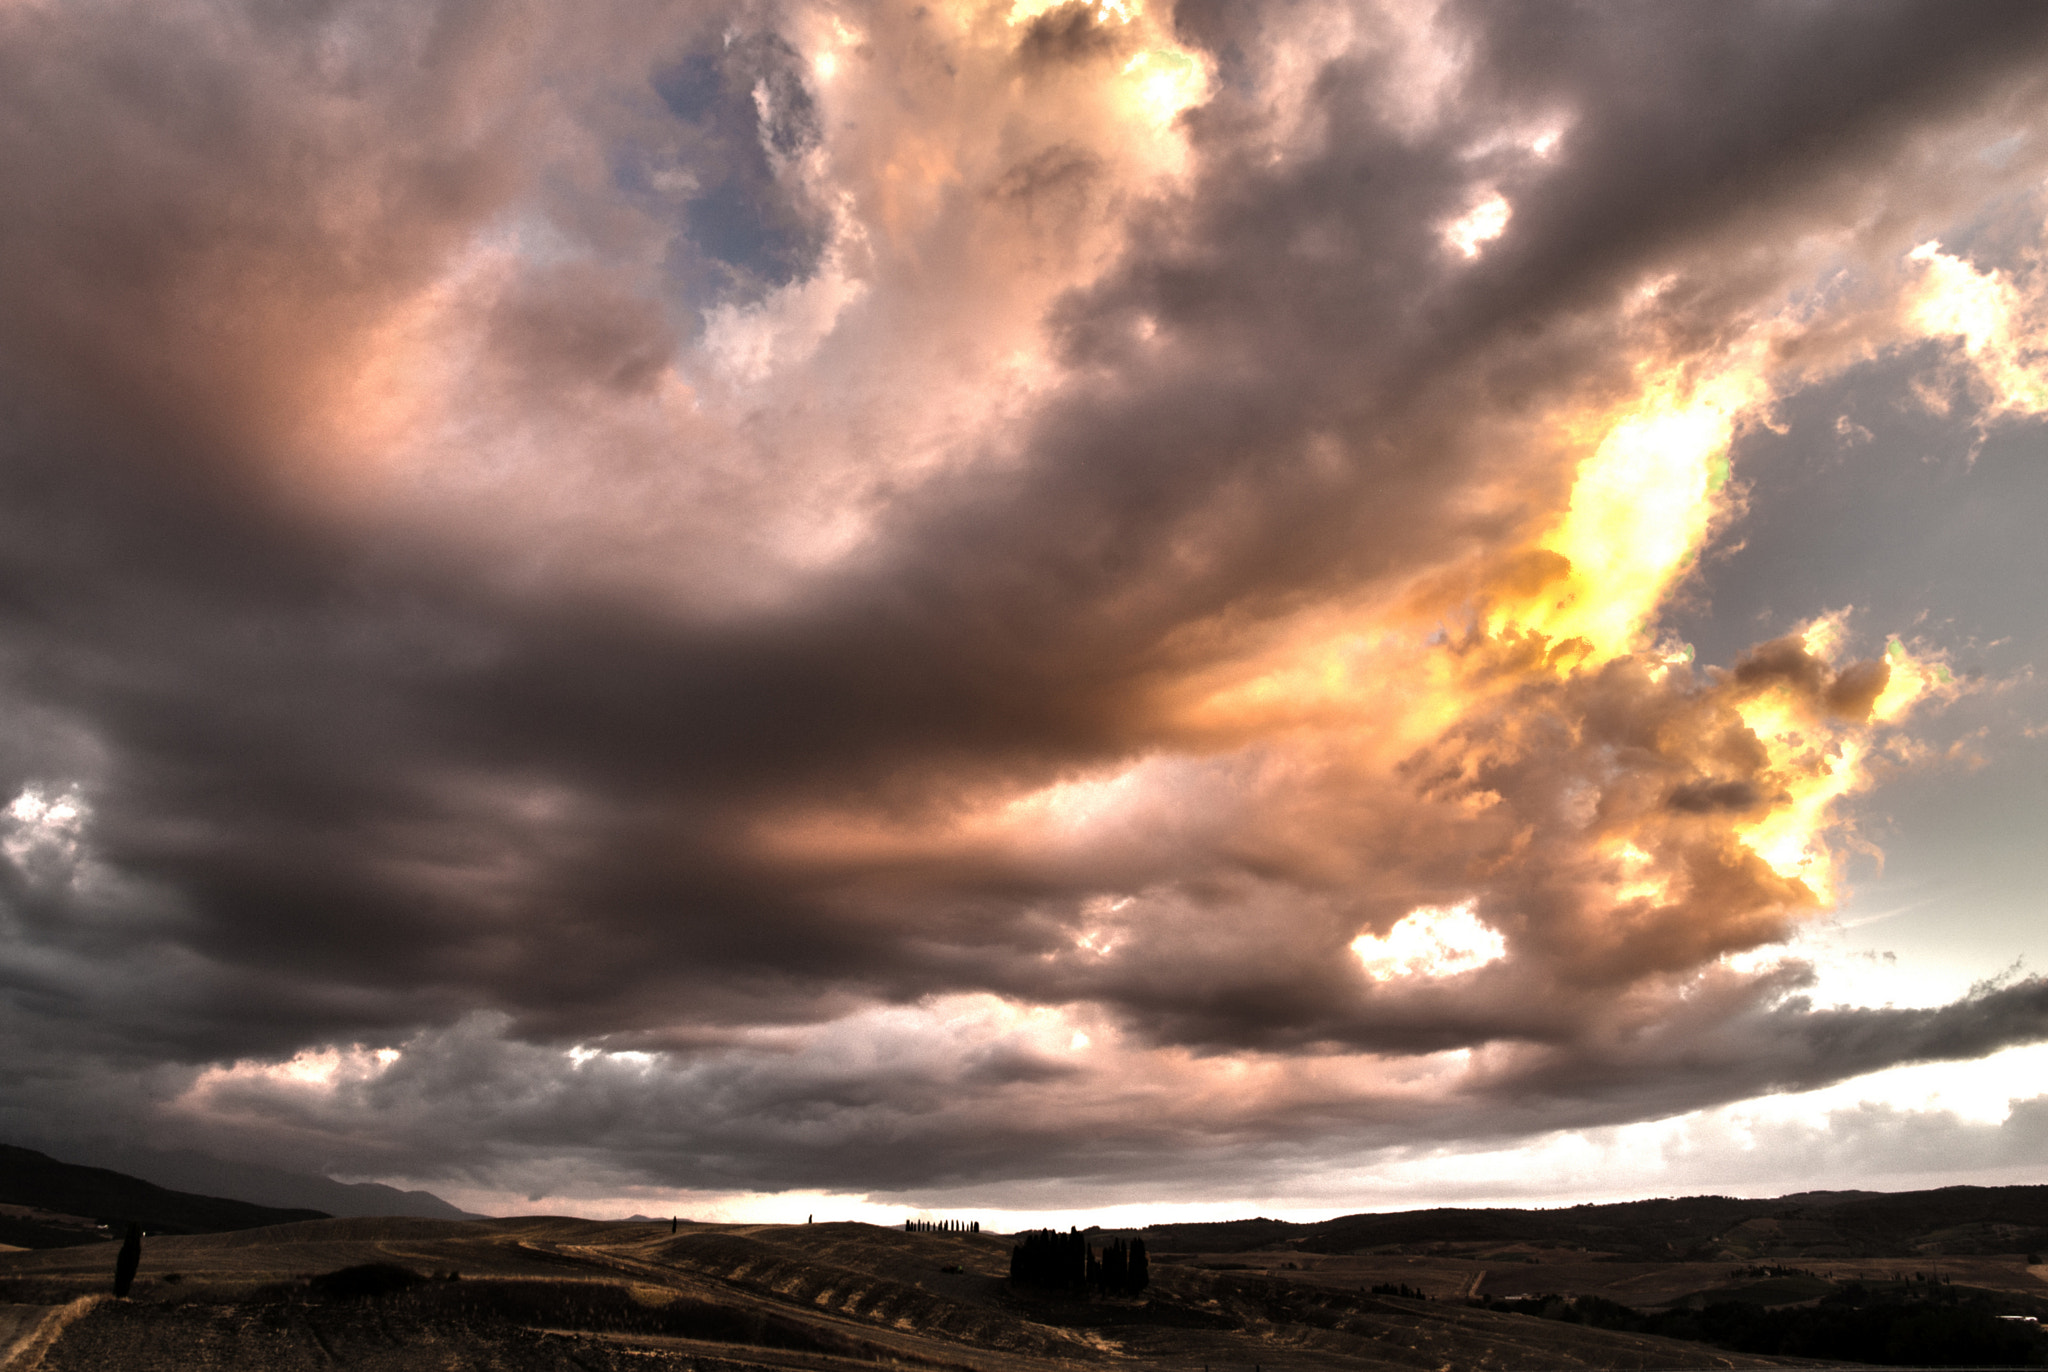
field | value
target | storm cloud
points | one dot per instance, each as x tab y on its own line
871	596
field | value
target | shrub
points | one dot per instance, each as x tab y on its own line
366	1280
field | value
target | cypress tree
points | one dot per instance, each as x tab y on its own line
128	1261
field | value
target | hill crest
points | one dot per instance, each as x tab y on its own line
1806	1226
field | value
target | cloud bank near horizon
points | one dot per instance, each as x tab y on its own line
891	596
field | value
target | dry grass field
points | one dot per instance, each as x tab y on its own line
1641	1284
572	1294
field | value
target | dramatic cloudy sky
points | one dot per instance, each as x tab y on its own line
1134	608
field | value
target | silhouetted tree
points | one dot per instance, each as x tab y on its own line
130	1259
1062	1262
1125	1270
1049	1259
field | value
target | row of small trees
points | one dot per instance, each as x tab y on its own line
1064	1262
942	1226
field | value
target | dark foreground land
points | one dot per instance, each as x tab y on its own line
573	1294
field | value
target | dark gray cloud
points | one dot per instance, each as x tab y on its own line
522	535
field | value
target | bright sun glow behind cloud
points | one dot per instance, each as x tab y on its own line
1479	225
1431	941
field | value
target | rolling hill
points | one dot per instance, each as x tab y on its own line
45	1203
1814	1227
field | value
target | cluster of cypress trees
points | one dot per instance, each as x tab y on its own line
1399	1289
1063	1262
942	1226
1124	1270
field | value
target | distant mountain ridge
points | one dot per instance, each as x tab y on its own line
188	1171
45	1202
1811	1226
52	1204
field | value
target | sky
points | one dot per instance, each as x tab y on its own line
1092	612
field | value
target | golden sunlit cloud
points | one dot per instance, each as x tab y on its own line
1642	506
323	1071
1118	11
2002	332
1651	490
